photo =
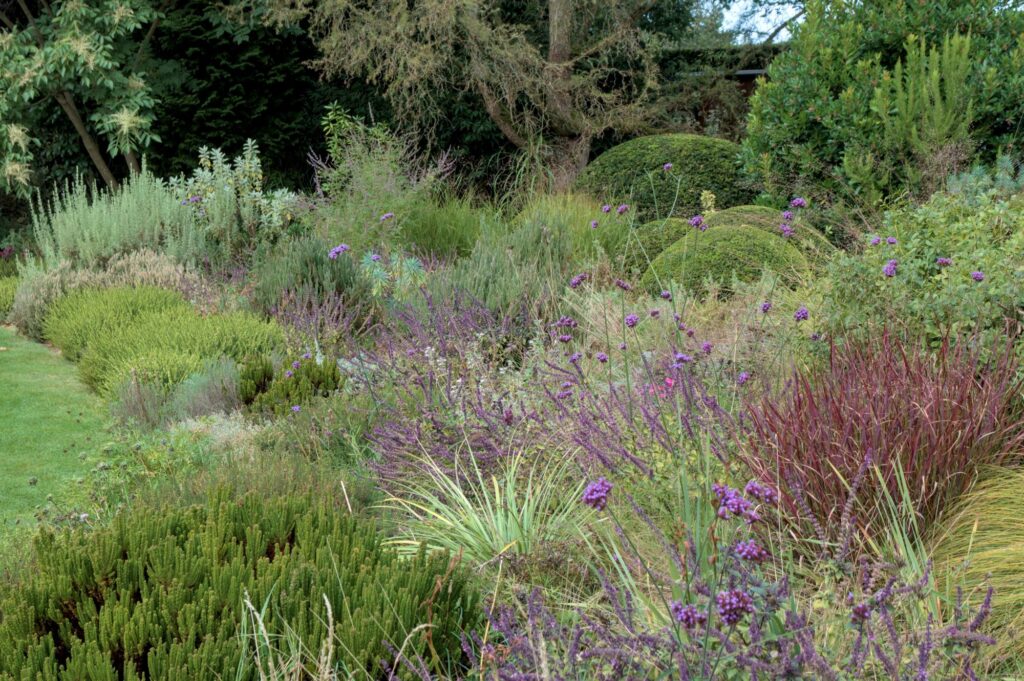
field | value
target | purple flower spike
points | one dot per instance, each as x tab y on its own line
978	276
801	314
623	285
596	494
337	250
578	279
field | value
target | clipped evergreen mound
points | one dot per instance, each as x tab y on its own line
982	545
719	254
641	245
633	172
811	242
160	594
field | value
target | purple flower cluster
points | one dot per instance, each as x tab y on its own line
195	198
606	208
666	295
787	215
566	322
698	222
786	230
706	347
891	240
576	281
766	306
386	217
801	314
875	240
978	276
798	202
596	494
943	262
890	268
622	208
687	615
336	251
667	167
564	338
742	378
764	494
593	224
632	320
734	605
601	357
623	285
731	503
750	550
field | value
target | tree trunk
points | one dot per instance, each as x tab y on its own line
68	104
559	104
132	159
568	158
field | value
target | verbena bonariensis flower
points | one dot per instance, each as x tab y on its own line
337	250
875	240
943	262
766	306
566	322
622	208
786	230
564	338
763	493
596	493
632	320
787	216
687	615
386	217
978	276
734	605
667	166
798	202
801	314
666	295
706	347
731	503
890	268
625	286
697	221
655	313
576	281
601	357
751	550
593	224
606	208
891	240
742	378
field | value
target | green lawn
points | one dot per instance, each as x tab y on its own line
52	428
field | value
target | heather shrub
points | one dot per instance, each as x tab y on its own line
978	544
321	576
934	417
8	285
722	255
111	357
936	270
634	172
39	287
74	320
296	384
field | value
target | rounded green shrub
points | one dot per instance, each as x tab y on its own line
74	320
633	173
8	285
297	383
720	254
811	242
638	247
185	593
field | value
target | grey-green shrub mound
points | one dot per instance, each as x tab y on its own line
722	254
160	595
633	172
811	242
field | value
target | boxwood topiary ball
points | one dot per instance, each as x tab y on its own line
811	242
719	254
633	173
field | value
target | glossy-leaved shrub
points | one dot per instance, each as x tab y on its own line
161	594
720	255
635	172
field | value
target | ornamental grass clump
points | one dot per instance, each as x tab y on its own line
160	594
934	417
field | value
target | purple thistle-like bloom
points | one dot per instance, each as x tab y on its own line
386	217
601	357
733	605
564	338
687	615
296	409
763	493
706	347
697	221
798	202
566	322
575	357
890	268
801	314
666	295
288	374
742	378
875	240
943	262
622	208
690	332
593	224
750	550
978	276
623	285
891	240
632	320
336	251
596	494
578	279
787	215
667	166
606	208
766	306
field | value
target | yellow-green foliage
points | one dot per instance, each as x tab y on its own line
161	593
809	240
640	246
721	254
982	544
575	214
633	172
82	316
8	285
297	384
